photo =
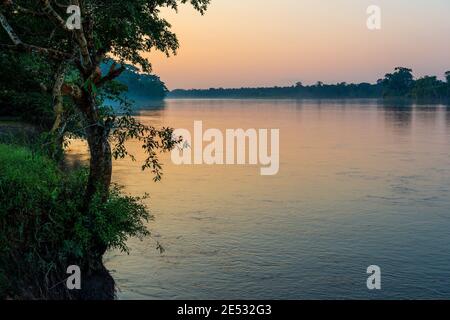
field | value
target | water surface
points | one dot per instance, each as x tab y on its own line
361	183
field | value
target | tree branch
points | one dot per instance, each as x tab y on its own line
82	43
112	74
72	90
9	30
52	14
19	46
79	33
20	9
51	53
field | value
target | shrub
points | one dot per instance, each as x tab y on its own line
43	230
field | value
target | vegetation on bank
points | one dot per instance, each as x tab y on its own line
43	229
399	84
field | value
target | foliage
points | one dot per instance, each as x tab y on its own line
144	31
42	229
429	88
399	83
21	94
402	84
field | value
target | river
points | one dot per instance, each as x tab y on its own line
360	183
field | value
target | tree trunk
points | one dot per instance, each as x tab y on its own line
100	151
58	102
100	170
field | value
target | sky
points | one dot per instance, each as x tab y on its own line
252	43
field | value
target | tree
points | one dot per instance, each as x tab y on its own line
103	31
40	28
428	87
399	83
447	85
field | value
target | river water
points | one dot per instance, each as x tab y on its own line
360	183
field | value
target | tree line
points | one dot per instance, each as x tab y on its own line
399	84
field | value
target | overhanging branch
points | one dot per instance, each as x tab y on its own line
19	46
112	74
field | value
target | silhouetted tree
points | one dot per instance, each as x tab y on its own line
399	83
428	87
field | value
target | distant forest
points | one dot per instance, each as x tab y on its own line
141	86
399	84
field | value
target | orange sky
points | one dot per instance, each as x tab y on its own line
279	42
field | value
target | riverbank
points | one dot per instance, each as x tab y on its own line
42	231
44	228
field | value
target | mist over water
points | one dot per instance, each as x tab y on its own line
361	183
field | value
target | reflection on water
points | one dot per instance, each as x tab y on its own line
361	183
